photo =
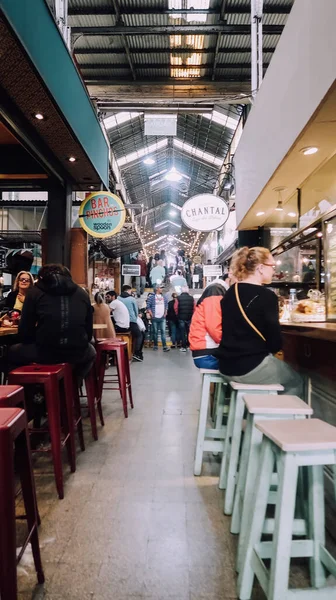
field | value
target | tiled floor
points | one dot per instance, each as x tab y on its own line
135	523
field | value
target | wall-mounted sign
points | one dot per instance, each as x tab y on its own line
102	214
205	212
133	270
197	259
212	270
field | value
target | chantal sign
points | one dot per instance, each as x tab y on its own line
205	212
102	214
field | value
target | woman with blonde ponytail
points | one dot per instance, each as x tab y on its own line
250	325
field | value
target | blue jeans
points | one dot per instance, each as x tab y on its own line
184	332
159	325
174	332
206	362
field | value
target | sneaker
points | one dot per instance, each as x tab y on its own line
183	349
155	348
173	346
166	349
138	358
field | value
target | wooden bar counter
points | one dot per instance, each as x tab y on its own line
311	349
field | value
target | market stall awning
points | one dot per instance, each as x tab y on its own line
35	58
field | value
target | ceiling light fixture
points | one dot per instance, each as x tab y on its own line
309	150
172	213
149	161
292	214
39	116
72	159
92	187
173	175
260	214
279	207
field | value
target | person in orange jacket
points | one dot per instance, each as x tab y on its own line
206	325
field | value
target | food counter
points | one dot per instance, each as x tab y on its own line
311	349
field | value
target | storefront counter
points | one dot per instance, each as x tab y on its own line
311	349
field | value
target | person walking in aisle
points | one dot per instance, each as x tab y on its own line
172	320
141	281
138	338
251	333
158	274
157	306
185	312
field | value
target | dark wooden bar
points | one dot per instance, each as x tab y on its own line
311	349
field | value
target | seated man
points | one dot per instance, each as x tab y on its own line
56	323
120	314
138	336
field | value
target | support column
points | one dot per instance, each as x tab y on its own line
58	225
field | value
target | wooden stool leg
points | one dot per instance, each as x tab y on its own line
283	526
122	378
202	421
238	501
24	463
227	442
68	423
316	524
234	454
98	396
8	581
128	376
78	414
53	408
259	502
101	355
220	402
252	468
90	393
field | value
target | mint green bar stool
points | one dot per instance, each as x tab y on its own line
210	439
260	407
230	459
290	445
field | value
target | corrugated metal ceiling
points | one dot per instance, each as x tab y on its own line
132	60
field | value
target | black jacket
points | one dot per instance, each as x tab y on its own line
9	301
57	316
171	314
185	306
242	349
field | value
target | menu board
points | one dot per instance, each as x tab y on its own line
330	267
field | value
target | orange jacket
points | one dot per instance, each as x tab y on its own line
206	326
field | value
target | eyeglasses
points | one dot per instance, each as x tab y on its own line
24	280
268	265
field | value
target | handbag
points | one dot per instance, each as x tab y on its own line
280	354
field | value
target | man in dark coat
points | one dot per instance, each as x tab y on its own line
56	324
185	312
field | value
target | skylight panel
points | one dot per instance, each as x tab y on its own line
205	156
119	118
142	152
221	119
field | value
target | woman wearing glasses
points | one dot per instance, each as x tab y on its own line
16	298
250	324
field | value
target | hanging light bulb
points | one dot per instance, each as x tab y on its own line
173	175
279	207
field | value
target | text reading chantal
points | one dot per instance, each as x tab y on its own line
206	210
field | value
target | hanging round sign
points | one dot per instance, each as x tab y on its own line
102	214
205	212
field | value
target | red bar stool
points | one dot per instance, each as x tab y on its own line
71	386
50	376
93	400
123	370
14	447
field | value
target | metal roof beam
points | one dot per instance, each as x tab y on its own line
173	51
124	39
109	107
199	29
240	65
271	9
108	80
